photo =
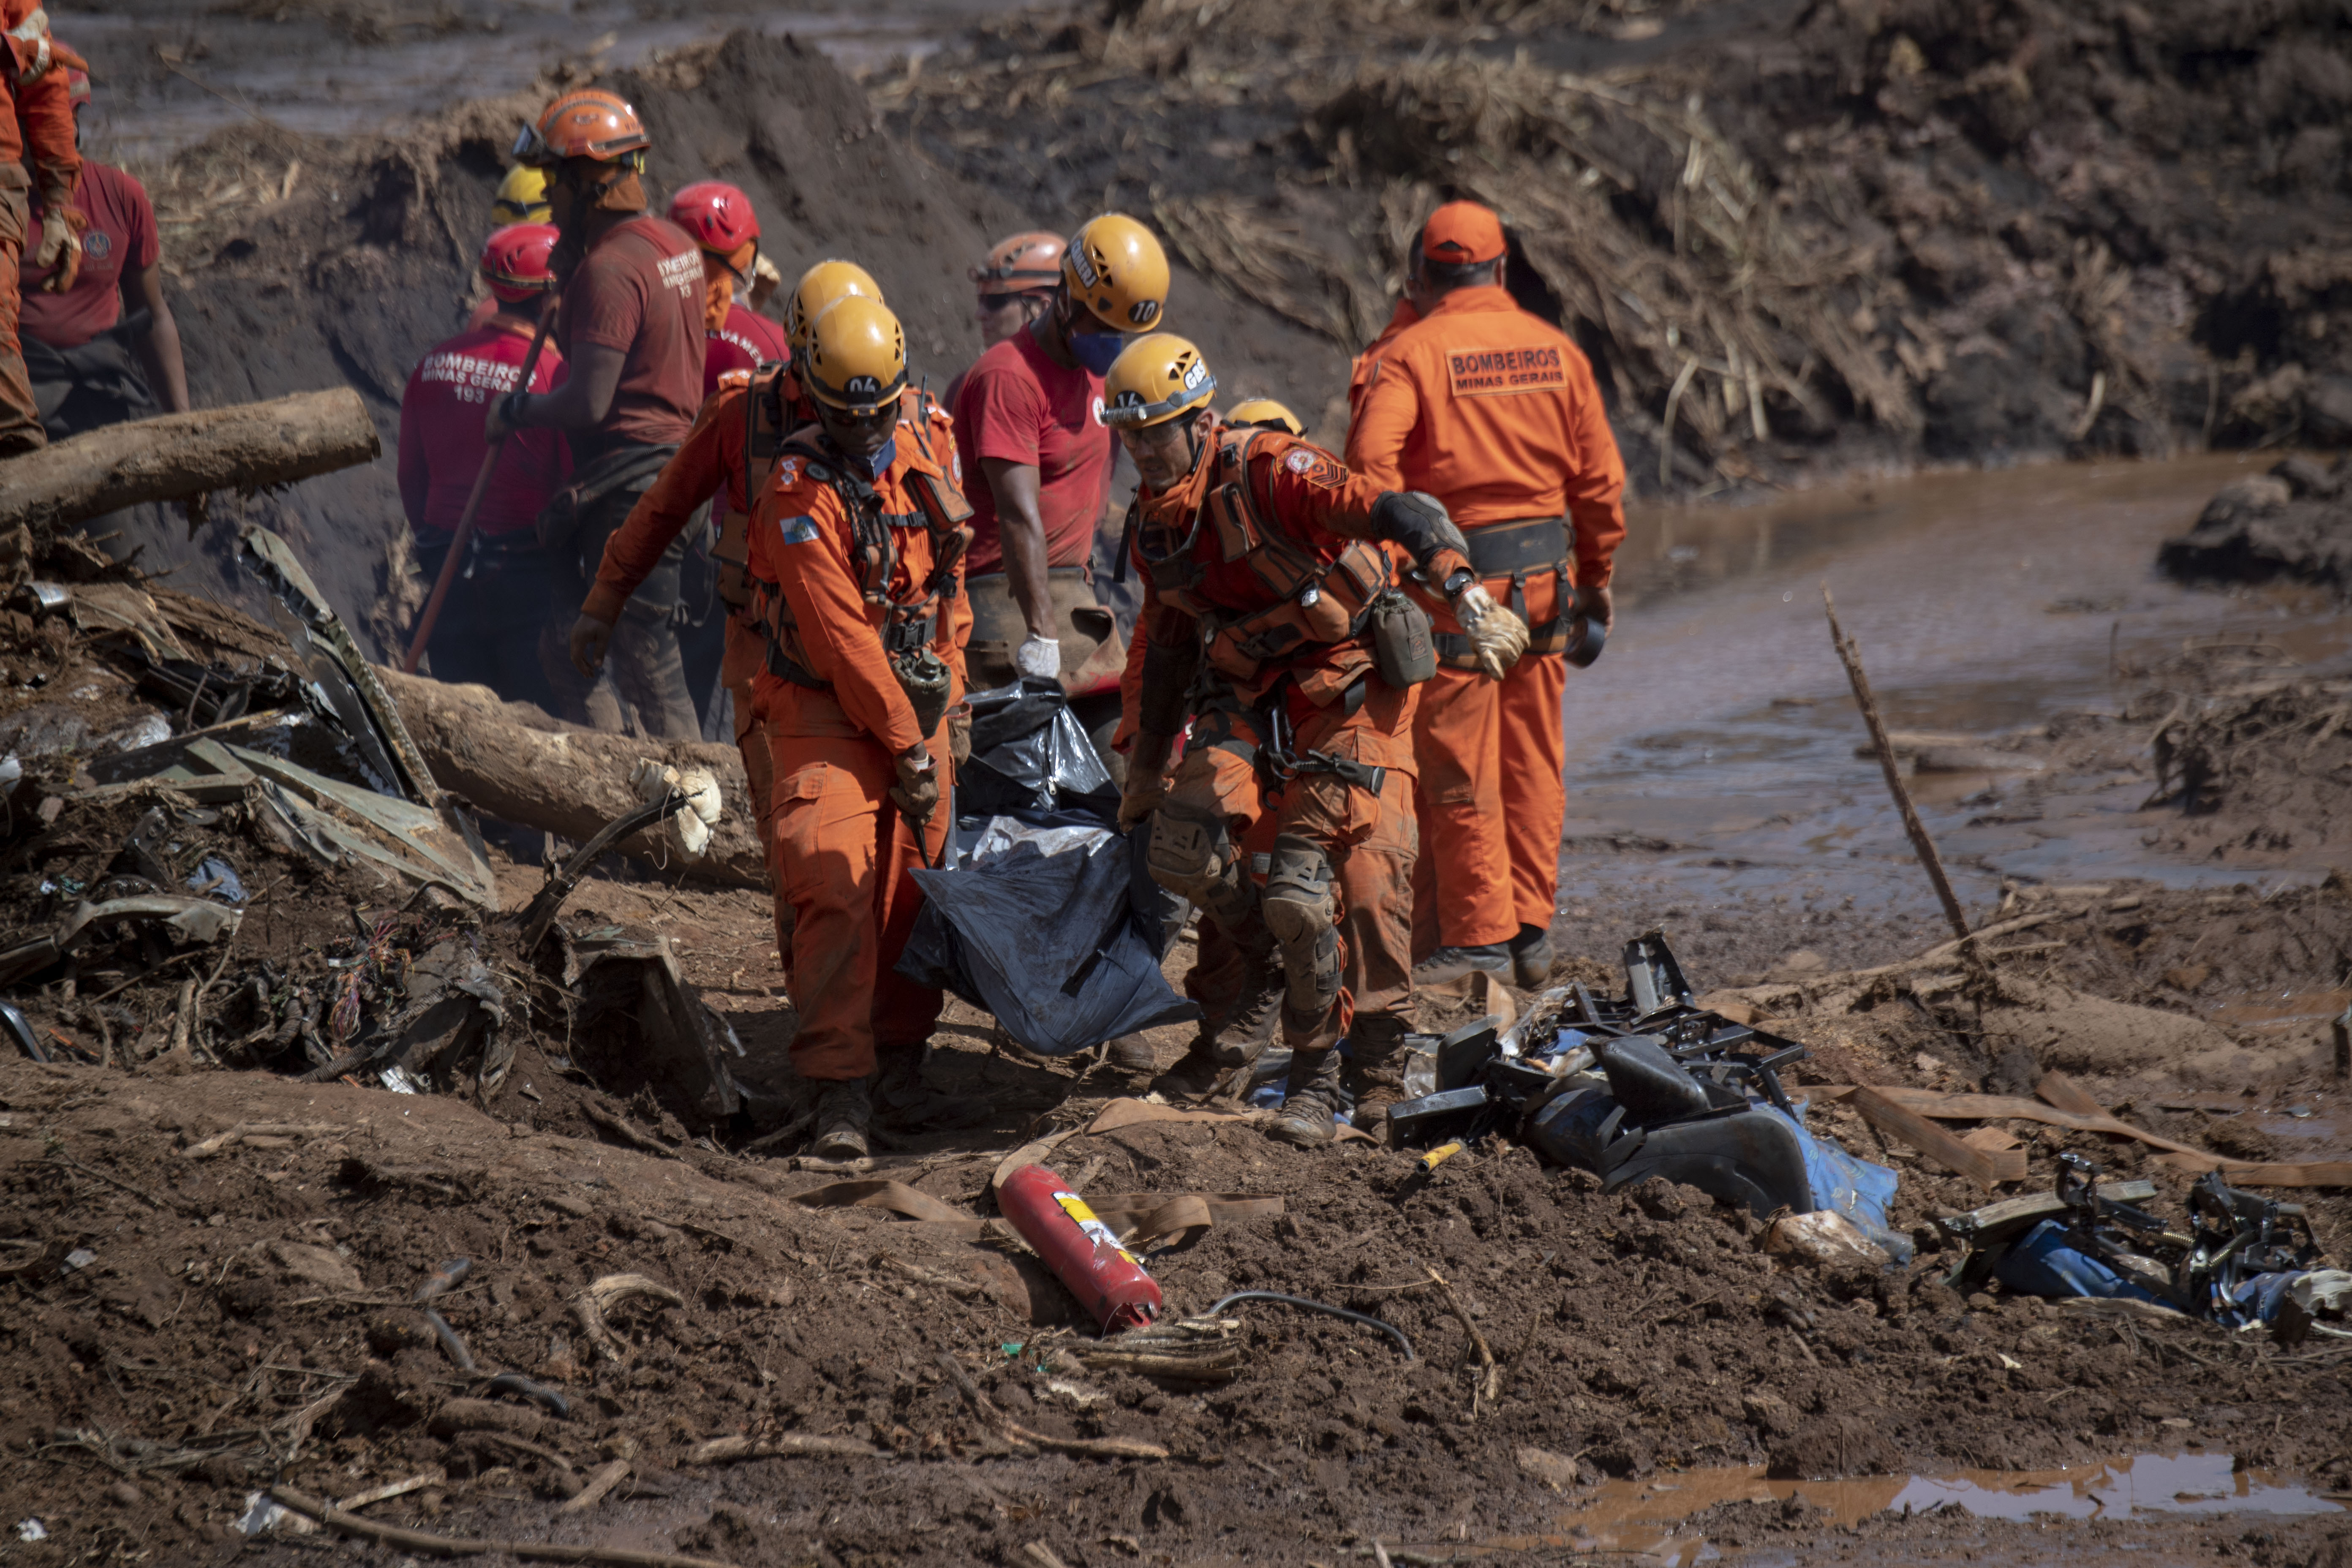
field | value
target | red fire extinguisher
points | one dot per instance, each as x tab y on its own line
1079	1249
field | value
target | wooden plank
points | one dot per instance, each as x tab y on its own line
1992	1139
2068	1095
1985	1168
2312	1173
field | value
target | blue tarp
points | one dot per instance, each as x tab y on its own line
2041	1263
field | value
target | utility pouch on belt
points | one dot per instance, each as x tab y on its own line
558	523
1403	649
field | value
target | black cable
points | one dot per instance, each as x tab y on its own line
1389	1329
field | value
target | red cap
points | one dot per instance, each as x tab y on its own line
1462	233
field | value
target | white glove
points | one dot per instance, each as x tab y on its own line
1497	635
689	830
1038	659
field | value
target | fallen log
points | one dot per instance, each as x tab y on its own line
177	455
515	763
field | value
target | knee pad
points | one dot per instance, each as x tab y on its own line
1302	917
1195	860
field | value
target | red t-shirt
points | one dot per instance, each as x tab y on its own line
1017	406
747	340
121	238
640	291
441	443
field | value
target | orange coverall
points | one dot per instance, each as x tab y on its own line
710	462
842	855
1493	412
38	130
1368	838
1360	369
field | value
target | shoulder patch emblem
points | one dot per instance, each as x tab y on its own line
1315	466
799	530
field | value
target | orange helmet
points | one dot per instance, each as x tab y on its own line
1025	264
1116	271
590	123
820	286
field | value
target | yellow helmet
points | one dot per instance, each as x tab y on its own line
1117	270
1266	414
521	198
856	361
820	286
1156	378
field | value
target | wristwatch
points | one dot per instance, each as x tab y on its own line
1461	580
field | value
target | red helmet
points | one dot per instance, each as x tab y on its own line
719	216
514	260
1025	264
590	123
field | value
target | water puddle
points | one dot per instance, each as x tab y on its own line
1720	724
1643	1518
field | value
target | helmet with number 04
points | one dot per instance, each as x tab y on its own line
514	261
1266	414
1155	379
1116	271
590	123
819	287
856	362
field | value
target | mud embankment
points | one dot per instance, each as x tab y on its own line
1802	238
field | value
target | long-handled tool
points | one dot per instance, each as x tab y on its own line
465	534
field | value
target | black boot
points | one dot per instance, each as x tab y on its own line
1531	957
1310	1111
844	1115
1454	963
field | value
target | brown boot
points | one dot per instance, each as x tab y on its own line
1375	1072
1133	1054
1310	1111
844	1115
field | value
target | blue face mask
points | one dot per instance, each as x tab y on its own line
1096	351
879	463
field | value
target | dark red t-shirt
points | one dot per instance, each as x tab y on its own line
121	238
441	443
640	291
747	340
1018	405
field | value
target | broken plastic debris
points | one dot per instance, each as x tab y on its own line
261	1515
79	1258
31	1529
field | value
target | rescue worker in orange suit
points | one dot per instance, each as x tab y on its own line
37	151
489	630
631	330
1028	413
1264	625
734	447
1495	411
863	537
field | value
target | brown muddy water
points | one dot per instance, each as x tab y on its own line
1719	732
317	76
1643	1519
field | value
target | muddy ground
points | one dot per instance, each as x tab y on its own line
193	1320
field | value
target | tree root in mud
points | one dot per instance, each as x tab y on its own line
1018	1435
588	1308
334	1518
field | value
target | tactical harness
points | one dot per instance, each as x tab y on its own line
1315	602
906	634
